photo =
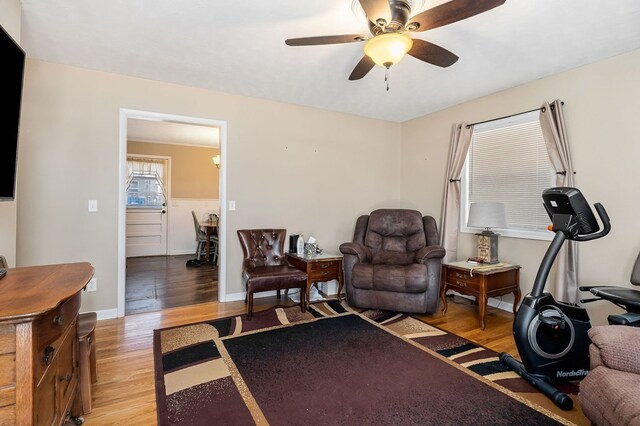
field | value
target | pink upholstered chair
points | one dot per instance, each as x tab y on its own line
610	394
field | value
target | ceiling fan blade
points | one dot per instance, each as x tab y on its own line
376	9
450	12
432	53
333	39
363	67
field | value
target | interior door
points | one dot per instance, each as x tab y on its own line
147	208
146	232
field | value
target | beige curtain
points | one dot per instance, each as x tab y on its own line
565	273
460	140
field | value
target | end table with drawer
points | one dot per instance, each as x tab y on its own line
319	268
480	281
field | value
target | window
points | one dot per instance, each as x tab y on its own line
145	187
508	163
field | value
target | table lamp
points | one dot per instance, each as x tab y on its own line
487	215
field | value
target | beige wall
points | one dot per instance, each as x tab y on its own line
10	12
193	174
304	169
602	102
309	170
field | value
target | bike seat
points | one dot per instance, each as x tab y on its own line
619	295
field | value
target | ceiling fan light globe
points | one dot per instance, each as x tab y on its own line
388	49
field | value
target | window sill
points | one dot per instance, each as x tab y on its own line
141	207
514	233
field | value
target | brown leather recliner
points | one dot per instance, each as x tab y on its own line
394	262
265	265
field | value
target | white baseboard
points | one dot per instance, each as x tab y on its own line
181	252
107	314
493	302
234	297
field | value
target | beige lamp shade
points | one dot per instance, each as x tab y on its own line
487	215
388	48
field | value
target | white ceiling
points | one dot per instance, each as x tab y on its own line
172	133
238	47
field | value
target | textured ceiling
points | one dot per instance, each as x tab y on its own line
238	47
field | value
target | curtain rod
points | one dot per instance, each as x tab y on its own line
508	116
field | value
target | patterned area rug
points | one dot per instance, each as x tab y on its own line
333	365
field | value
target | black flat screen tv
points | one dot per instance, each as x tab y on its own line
11	77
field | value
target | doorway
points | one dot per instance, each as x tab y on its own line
157	238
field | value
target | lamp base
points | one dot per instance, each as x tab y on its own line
488	247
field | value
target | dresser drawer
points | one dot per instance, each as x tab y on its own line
332	265
49	330
462	280
324	271
7	370
324	275
459	275
67	374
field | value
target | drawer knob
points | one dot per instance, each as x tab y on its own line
65	378
58	320
324	265
460	283
48	355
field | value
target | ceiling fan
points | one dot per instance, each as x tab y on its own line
389	22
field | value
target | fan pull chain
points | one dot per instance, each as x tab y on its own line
386	77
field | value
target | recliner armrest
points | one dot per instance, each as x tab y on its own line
429	252
357	249
619	346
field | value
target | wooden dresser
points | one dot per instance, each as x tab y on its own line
38	343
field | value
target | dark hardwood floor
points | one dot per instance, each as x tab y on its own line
159	282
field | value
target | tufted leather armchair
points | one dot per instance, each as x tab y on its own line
394	262
265	265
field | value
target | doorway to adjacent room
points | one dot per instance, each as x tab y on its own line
172	174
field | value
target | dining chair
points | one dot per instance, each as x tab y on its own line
201	239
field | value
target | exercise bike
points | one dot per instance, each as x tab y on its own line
626	298
551	336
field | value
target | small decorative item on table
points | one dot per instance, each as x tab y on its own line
310	249
487	215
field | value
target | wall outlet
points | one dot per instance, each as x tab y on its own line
93	284
93	205
232	205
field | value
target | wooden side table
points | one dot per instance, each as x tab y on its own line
481	281
319	268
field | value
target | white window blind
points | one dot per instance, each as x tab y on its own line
508	163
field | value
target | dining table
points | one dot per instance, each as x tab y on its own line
210	228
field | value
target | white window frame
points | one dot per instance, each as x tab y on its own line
464	185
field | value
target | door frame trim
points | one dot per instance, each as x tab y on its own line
126	114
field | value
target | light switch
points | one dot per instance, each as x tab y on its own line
93	205
232	205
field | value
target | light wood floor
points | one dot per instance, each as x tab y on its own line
124	393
